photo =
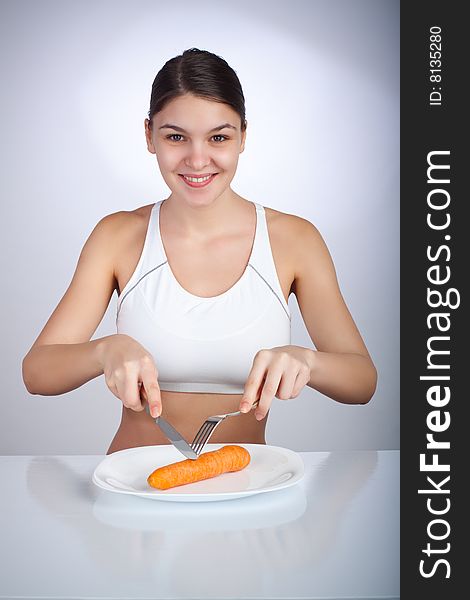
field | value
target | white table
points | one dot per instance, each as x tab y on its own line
333	535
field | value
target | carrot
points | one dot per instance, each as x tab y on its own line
209	464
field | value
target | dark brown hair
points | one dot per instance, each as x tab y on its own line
202	74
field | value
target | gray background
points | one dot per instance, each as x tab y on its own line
321	81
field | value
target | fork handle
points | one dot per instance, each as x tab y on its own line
239	412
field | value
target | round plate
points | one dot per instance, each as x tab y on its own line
271	468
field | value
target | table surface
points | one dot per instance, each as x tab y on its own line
335	534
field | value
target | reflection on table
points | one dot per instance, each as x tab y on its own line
335	535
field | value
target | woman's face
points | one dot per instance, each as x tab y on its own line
198	139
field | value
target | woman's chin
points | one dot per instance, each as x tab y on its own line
200	198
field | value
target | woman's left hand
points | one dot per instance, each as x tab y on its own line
280	372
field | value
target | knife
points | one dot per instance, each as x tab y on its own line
175	438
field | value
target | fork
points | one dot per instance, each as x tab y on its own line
207	429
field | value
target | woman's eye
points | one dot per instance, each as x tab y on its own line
177	137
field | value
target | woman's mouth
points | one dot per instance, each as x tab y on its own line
198	181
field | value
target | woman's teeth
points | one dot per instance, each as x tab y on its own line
198	182
197	179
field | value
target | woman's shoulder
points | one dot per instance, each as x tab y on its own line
291	228
126	217
124	224
295	242
117	236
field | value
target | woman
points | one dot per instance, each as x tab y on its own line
203	280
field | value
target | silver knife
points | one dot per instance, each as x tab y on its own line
175	438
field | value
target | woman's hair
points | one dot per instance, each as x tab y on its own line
202	74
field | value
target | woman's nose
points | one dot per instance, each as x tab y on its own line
197	157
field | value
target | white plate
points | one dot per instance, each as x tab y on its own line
271	468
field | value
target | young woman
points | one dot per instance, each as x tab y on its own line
203	279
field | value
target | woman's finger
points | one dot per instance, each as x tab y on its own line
112	388
143	393
253	383
129	393
270	387
287	384
300	382
152	391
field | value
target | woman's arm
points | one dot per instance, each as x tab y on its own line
346	377
53	369
63	358
341	367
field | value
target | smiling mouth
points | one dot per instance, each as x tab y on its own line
198	180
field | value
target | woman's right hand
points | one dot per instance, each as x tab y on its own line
127	367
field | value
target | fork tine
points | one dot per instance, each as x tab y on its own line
205	438
206	429
206	426
203	435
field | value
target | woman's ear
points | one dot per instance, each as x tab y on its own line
242	146
148	137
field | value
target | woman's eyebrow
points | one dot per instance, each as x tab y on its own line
176	128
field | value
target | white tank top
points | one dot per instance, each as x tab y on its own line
204	344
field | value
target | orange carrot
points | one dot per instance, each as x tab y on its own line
209	464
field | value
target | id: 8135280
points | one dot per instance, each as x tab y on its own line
435	65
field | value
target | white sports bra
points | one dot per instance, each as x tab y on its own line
204	344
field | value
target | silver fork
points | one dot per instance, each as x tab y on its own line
207	429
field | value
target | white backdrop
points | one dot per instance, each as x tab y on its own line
321	81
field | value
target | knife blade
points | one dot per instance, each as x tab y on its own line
176	438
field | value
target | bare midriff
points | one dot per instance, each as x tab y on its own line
186	412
